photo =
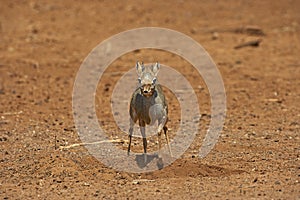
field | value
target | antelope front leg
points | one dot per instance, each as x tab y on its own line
167	140
130	135
159	129
159	143
143	132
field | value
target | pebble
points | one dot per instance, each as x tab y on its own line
277	182
215	36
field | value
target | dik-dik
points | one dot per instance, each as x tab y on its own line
148	105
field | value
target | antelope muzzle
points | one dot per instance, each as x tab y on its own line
147	90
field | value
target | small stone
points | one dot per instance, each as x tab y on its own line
193	30
135	182
215	36
238	62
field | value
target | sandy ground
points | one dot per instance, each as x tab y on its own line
43	44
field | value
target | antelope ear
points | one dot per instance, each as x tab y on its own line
139	68
155	68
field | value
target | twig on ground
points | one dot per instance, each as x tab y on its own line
137	181
91	143
12	113
253	43
273	100
249	30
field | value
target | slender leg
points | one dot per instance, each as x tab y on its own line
130	135
167	140
143	132
159	142
159	130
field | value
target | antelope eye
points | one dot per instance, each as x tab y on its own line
140	80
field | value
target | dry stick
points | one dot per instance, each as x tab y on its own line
12	113
137	181
254	43
272	100
250	30
91	143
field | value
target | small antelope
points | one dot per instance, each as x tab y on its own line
148	105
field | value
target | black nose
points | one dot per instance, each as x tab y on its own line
145	91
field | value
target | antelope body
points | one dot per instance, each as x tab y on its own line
148	105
